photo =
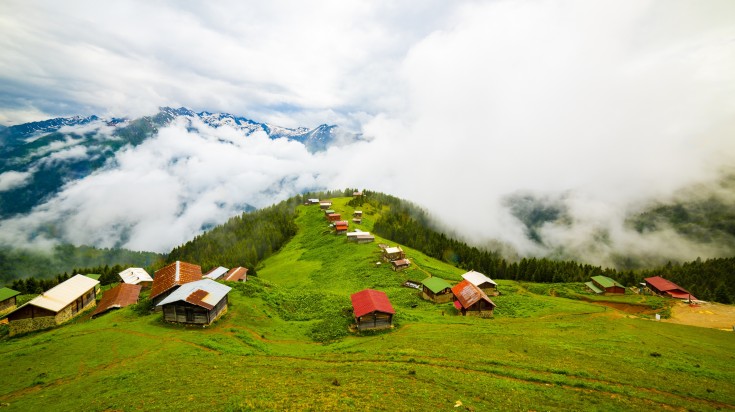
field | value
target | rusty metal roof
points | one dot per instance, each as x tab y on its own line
122	295
175	274
205	293
236	274
468	294
369	301
135	276
401	262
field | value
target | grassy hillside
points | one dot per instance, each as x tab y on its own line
284	345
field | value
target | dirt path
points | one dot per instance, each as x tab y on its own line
706	315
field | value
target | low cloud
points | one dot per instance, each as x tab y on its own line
12	179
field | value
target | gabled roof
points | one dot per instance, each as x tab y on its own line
135	276
669	288
369	301
594	288
401	262
205	293
7	293
216	273
341	222
435	284
468	294
357	232
606	282
175	274
392	250
236	274
477	278
122	295
64	293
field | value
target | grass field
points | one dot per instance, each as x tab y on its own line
284	345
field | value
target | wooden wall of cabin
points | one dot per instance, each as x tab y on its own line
7	304
376	320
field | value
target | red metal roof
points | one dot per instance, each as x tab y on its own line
369	301
468	294
668	286
175	274
236	274
120	296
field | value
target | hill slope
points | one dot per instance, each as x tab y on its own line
538	352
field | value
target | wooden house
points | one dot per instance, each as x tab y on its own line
196	303
372	310
603	284
55	306
329	212
356	220
436	290
325	204
365	238
172	276
340	227
312	201
136	276
393	253
400	264
238	274
8	300
481	281
664	287
471	300
333	217
122	295
357	213
357	194
216	273
352	236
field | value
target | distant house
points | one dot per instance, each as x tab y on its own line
333	217
366	238
238	274
356	194
352	236
196	303
400	264
172	276
124	294
55	306
329	212
393	253
312	201
136	276
216	273
96	277
471	300
436	290
357	213
325	204
340	227
8	299
664	287
372	309
603	284
356	220
481	281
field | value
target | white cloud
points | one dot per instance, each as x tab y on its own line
12	179
608	104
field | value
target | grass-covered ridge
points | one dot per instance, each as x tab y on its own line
284	345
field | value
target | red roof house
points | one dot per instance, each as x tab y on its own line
470	299
333	217
666	287
124	294
170	277
238	274
372	309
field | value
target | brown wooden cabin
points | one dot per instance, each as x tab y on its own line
325	204
471	300
400	264
436	290
334	217
356	220
196	303
393	253
364	238
8	300
372	310
357	213
170	277
55	306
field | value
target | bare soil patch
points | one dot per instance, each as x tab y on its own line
706	315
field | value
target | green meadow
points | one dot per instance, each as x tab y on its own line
284	344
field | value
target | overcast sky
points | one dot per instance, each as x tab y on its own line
607	104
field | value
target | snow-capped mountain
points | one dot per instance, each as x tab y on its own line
38	158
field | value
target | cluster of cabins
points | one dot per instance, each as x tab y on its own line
654	285
341	226
179	290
